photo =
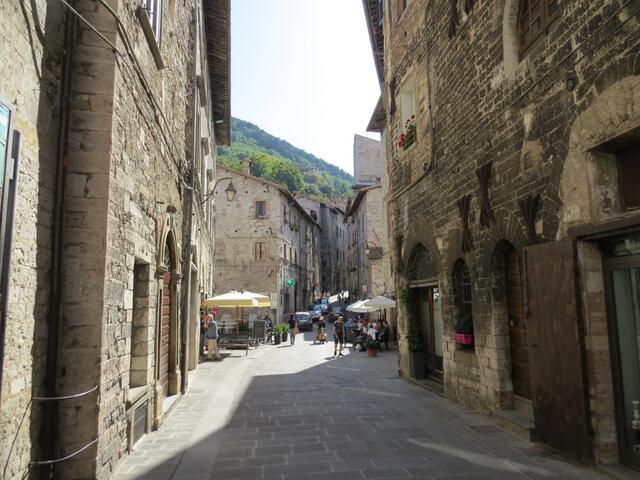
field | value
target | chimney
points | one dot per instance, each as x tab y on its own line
246	166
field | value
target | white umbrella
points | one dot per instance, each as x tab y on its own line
359	307
263	300
380	302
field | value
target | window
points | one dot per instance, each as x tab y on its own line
260	250
408	99
629	177
314	215
380	12
295	257
284	213
154	9
261	209
534	16
462	298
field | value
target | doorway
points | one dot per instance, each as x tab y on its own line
518	341
622	271
429	310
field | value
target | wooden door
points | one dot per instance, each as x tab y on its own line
165	320
558	390
518	343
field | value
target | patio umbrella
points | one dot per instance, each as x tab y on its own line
263	300
359	307
380	302
234	299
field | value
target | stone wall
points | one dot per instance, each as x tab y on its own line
31	50
478	100
288	255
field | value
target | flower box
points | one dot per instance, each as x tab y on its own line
463	338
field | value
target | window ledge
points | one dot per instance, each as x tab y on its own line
149	34
137	395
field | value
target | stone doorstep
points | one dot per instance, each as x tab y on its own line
169	404
517	423
428	384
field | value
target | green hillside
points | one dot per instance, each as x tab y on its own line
278	161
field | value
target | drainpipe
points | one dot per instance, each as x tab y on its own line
187	221
55	305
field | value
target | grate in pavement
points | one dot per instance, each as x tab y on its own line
485	429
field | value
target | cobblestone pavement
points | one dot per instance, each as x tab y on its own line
294	412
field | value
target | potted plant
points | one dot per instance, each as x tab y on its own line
417	356
408	137
277	333
283	330
463	329
372	347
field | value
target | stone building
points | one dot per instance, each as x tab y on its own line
512	137
266	243
366	217
333	243
111	134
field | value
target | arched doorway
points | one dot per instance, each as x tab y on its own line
509	299
167	373
165	320
425	308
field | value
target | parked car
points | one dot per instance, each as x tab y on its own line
304	320
316	313
335	313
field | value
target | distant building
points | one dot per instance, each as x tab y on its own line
367	253
266	242
333	243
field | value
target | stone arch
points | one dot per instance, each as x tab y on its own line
420	264
420	235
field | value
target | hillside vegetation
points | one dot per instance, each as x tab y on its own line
277	160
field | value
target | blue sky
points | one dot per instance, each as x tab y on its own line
303	70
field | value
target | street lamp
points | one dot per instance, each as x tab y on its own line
230	190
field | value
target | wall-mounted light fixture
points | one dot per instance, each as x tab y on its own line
230	190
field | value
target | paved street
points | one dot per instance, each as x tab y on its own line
297	413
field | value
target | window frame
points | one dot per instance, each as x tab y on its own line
154	10
260	251
462	288
546	20
627	187
264	214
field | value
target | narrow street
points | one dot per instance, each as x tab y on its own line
295	412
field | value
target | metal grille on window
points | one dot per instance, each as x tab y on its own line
462	293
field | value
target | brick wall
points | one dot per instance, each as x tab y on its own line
533	117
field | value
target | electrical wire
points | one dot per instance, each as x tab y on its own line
88	24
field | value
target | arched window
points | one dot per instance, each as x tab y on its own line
462	298
534	17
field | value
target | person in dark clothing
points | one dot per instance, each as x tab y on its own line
293	329
338	336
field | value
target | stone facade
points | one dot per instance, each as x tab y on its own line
513	148
368	254
31	44
139	136
264	237
333	243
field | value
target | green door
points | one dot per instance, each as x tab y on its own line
624	317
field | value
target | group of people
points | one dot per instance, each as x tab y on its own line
379	330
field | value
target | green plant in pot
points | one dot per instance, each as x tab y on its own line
278	331
464	328
372	346
282	329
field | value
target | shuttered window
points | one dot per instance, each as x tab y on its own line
260	250
534	16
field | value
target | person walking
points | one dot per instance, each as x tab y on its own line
293	329
338	336
212	339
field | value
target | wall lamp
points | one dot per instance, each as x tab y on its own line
230	190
